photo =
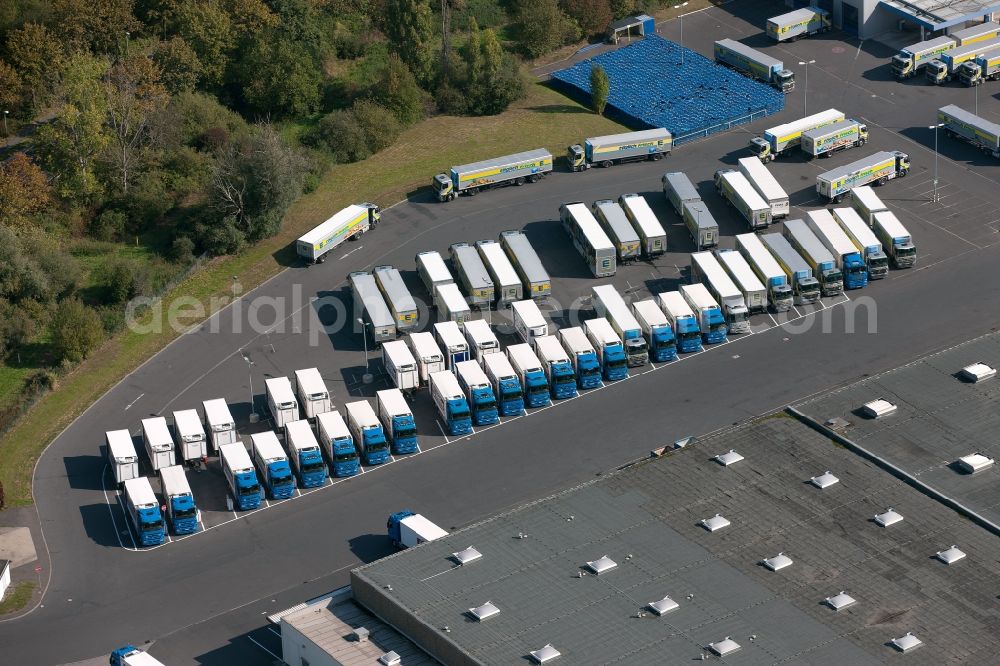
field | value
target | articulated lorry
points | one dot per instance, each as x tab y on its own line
481	339
122	458
656	329
272	465
877	169
133	656
896	240
219	422
448	336
805	287
616	225
529	323
946	66
369	304
190	434
609	348
517	169
707	270
158	442
478	392
335	438
608	303
822	263
428	355
766	185
506	282
451	304
783	139
281	401
400	365
531	374
472	275
650	144
451	404
829	139
432	270
535	279
407	529
305	455
682	319
866	203
912	59
588	238
652	236
347	224
740	194
505	383
397	297
182	513
980	69
767	270
557	366
845	254
755	64
981	133
144	512
397	421
314	398
582	355
865	240
366	430
754	292
798	24
711	321
682	195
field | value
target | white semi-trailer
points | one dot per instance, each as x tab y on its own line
281	401
159	444
766	185
122	457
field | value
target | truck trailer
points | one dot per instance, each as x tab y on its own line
481	339
366	430
281	401
478	392
407	529
707	270
915	57
798	24
652	235
608	303
190	435
338	444
535	279
122	458
609	348
397	296
805	287
829	139
529	323
432	270
822	263
845	254
311	391
896	240
399	364
182	513
369	305
742	196
158	442
451	304
517	169
219	422
866	203
960	124
143	512
766	184
865	240
448	335
472	275
612	219
711	321
272	464
582	355
347	224
682	319
767	270
754	292
755	64
656	329
505	383
701	225
305	455
451	404
650	144
506	282
679	190
427	354
877	169
531	374
397	421
557	367
782	139
588	238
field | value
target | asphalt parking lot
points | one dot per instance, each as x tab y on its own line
197	597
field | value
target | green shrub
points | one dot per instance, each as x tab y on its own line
76	331
379	125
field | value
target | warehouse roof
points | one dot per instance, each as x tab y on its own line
941	14
537	566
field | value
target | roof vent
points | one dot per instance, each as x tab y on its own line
602	565
726	646
545	654
878	408
486	610
663	606
837	423
888	517
470	554
974	462
360	635
728	458
824	480
778	562
977	372
840	601
950	556
714	523
390	658
906	643
684	441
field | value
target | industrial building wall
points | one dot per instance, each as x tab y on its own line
297	650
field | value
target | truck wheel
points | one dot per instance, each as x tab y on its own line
903	172
534	178
519	181
473	191
606	163
452	196
883	180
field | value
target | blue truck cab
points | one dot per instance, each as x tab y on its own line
451	404
506	385
133	656
660	339
529	370
144	511
710	318
335	438
367	432
397	421
182	513
557	366
305	455
855	271
272	464
609	348
683	320
240	476
479	392
583	357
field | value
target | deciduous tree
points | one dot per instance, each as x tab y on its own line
37	56
76	331
279	76
98	25
600	88
24	191
542	27
178	64
398	91
209	31
409	27
593	16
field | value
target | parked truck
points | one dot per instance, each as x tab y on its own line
679	190
915	57
311	391
397	421
711	321
755	64
785	138
706	269
366	430
557	366
451	304
338	444
609	348
682	319
652	236
805	287
305	455
946	66
822	263
517	169
281	401
190	434
478	392
219	422
896	240
133	656
397	296
612	218
701	225
272	464
982	68
877	169
767	270
608	303
400	365
588	238
535	279
451	404
481	339
797	24
866	203
981	133
754	292
158	442
427	354
505	383
122	457
407	529
369	305
531	374
582	355
845	254
865	240
656	329
829	139
506	282
144	512
347	224
650	144
472	275
740	194
766	184
432	270
182	513
529	323
448	336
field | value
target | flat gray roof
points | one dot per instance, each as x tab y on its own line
940	14
647	518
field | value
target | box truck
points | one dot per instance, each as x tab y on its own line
652	235
310	389
449	336
517	169
528	320
366	430
144	511
656	329
369	305
305	455
741	195
557	366
865	240
782	139
609	348
472	275
272	465
827	140
407	529
896	240
427	354
530	373
219	422
798	24
705	268
122	457
347	224
612	219
582	355
451	404
158	442
478	392
397	421
190	435
506	385
754	64
534	278
845	254
451	304
766	185
754	292
506	282
711	321
805	286
682	319
335	438
400	365
588	238
432	270
182	513
481	339
767	270
650	144
281	401
877	169
608	303
397	297
240	476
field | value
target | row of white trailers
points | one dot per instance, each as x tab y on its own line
613	232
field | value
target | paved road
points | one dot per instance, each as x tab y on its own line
198	597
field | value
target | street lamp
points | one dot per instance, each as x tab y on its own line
234	287
7	113
935	128
127	36
683	4
367	377
805	97
253	413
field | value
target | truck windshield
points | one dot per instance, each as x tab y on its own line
737	317
721	326
537	389
858	268
380	445
152	526
565	379
406	431
881	262
313	467
665	343
810	290
185	513
250	490
906	251
614	365
486	405
346	457
691	335
636	346
460	412
281	480
834	276
512	394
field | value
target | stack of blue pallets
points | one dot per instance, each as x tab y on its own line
650	87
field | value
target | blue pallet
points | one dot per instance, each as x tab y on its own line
651	88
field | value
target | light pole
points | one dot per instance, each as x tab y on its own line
367	377
935	128
127	36
7	113
805	97
253	412
683	4
234	287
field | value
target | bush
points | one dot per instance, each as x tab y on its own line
182	250
542	27
341	134
397	89
18	324
222	237
108	226
120	280
488	14
379	125
451	100
39	382
350	45
593	16
76	331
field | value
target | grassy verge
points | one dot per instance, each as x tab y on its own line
17	597
543	118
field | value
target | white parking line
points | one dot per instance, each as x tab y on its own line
264	648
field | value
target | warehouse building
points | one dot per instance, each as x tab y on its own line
867	18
